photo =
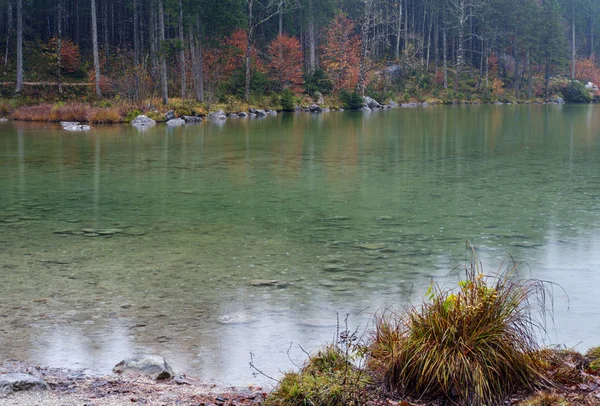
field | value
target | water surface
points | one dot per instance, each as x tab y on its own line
356	212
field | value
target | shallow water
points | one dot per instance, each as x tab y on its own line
117	241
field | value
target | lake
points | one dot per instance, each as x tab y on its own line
117	241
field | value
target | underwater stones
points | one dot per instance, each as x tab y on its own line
17	382
371	247
237	318
153	366
269	283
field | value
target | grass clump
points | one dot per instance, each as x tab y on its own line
472	345
594	355
329	378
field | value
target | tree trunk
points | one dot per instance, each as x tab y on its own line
105	29
445	56
19	86
248	50
95	47
136	35
281	3
58	45
399	30
530	75
164	86
517	73
8	30
573	55
312	52
196	64
461	48
364	48
182	52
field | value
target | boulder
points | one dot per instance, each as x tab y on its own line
77	127
425	104
170	115
143	121
365	108
153	366
17	382
261	113
393	104
272	112
591	86
371	103
242	114
218	115
326	110
192	119
315	108
341	109
559	100
3	120
176	122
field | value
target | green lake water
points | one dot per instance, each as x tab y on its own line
117	241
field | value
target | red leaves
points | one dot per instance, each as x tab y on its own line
70	59
286	62
341	53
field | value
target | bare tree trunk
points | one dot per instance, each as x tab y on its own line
95	46
153	39
182	52
281	3
592	37
196	66
364	48
517	73
312	53
399	30
164	86
573	56
8	30
461	48
19	86
444	54
530	75
248	50
58	45
136	35
105	28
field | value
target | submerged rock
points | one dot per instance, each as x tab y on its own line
192	119
176	122
153	366
266	282
371	102
143	121
236	318
371	247
77	127
315	108
17	382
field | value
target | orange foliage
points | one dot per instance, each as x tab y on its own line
286	62
586	70
341	53
70	58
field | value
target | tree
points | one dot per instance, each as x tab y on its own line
164	86
341	53
95	45
286	61
19	85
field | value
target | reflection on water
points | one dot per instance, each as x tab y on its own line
117	241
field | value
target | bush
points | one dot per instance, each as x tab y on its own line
107	115
475	345
288	100
328	378
318	82
575	92
351	100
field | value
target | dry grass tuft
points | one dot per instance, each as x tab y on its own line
473	345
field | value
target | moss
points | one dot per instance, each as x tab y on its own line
593	353
546	399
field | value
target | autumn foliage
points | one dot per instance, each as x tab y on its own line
70	58
586	70
341	53
286	62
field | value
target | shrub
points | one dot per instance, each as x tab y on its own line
288	100
351	100
107	115
575	92
318	82
328	378
474	345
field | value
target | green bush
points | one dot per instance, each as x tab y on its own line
575	92
318	82
351	100
288	100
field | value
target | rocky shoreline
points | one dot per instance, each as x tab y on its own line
135	381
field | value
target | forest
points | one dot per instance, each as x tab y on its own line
280	52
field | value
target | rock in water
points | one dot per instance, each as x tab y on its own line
261	113
315	109
10	383
143	121
267	282
176	122
153	366
192	119
170	115
218	115
371	103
